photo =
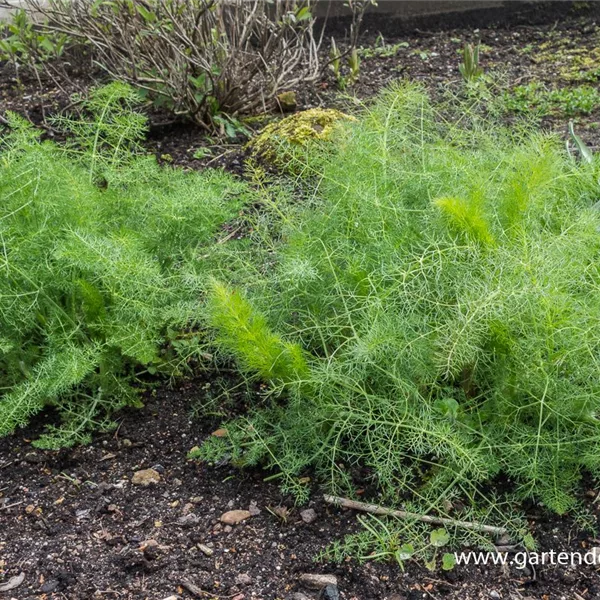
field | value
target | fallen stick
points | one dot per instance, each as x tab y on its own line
7	506
374	509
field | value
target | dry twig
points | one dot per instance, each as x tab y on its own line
375	509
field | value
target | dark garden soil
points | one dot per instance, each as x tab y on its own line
77	527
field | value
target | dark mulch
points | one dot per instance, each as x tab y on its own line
78	527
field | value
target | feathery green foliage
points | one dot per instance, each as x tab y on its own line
258	349
95	280
441	278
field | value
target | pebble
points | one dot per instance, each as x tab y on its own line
494	595
145	477
13	582
329	592
188	520
49	586
233	517
205	550
243	579
308	515
317	581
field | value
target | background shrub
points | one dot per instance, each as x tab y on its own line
199	58
102	263
441	278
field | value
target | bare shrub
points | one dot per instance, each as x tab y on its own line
200	58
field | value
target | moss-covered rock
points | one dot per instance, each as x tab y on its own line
278	142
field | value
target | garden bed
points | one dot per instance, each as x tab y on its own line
80	526
77	527
547	43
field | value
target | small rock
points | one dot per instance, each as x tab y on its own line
145	477
233	517
205	550
49	587
521	571
83	514
253	509
494	595
317	581
188	520
177	482
329	592
308	515
13	582
159	469
188	508
243	579
228	529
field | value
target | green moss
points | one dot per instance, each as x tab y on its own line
277	142
571	64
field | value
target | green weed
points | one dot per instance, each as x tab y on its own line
381	49
536	97
469	67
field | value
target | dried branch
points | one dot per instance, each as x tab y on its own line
374	509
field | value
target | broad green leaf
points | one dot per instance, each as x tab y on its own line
439	538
